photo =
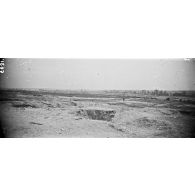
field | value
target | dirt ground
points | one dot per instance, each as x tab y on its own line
46	115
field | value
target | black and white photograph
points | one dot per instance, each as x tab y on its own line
97	98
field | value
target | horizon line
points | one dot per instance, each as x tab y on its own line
96	89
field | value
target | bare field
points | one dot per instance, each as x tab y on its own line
35	113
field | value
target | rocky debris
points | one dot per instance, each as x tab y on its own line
97	113
48	104
157	124
73	104
61	131
118	128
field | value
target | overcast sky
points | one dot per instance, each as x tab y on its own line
174	74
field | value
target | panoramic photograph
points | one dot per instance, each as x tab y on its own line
97	98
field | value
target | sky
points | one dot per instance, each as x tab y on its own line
100	74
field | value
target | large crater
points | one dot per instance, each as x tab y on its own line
97	113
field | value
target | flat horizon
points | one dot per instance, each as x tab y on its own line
2	88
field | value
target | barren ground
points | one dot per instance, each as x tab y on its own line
27	114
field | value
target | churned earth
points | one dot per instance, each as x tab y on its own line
46	115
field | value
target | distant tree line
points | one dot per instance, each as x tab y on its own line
157	92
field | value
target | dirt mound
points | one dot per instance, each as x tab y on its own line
157	124
97	113
24	105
